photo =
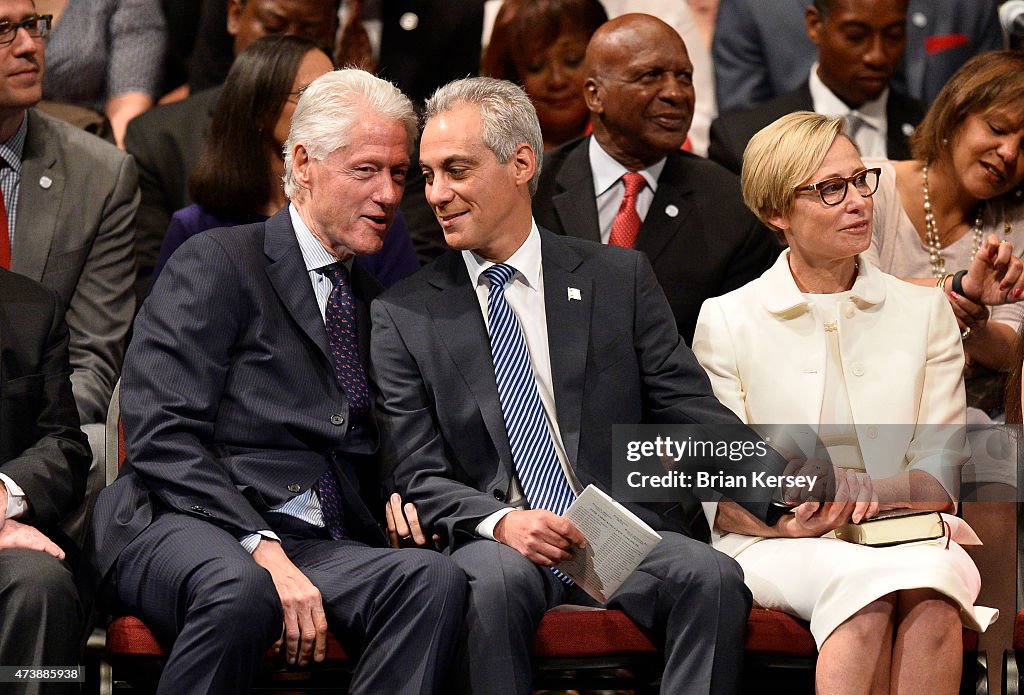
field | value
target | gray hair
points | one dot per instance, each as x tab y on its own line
508	116
331	106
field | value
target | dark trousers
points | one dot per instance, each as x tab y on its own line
196	588
42	617
688	597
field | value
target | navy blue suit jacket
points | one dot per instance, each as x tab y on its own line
229	399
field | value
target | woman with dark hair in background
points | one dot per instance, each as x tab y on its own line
238	178
540	45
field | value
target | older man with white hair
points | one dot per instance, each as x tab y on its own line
243	512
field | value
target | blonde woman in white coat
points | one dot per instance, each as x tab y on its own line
871	365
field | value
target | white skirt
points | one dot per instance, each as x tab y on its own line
825	581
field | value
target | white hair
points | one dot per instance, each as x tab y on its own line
329	108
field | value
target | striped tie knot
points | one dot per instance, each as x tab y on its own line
499	274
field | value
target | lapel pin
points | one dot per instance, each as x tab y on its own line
574	295
45	182
672	211
908	129
409	21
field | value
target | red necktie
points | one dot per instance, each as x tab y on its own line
626	224
5	236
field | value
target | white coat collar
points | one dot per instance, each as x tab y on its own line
780	295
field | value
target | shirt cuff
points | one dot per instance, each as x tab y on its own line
15	498
485	529
253	539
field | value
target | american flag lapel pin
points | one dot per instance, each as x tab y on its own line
574	294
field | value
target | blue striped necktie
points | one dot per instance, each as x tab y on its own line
533	451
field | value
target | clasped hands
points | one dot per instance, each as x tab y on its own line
839	496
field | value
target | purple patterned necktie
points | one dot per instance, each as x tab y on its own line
340	320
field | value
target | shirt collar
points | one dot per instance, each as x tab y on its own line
526	260
11	150
828	104
314	255
607	170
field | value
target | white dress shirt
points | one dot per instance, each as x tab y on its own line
525	296
871	137
609	188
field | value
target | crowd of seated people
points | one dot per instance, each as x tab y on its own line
847	260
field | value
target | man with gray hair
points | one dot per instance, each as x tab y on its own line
242	516
501	369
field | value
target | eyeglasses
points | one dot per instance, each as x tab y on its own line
37	26
833	191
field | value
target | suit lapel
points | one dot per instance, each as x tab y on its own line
40	196
672	205
568	302
287	274
457	319
575	204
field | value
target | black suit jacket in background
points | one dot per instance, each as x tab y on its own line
731	133
166	143
700	238
41	446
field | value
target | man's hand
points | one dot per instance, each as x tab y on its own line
305	625
15	534
540	536
995	276
404	530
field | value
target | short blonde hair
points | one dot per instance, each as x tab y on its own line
781	156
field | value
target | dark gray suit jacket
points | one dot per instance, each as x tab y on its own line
731	133
229	398
75	235
42	448
615	359
712	245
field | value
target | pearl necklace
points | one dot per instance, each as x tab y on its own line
931	231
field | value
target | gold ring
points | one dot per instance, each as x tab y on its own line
966	333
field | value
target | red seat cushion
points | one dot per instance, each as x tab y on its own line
775	632
565	634
129	636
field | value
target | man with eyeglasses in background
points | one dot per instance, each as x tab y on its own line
66	221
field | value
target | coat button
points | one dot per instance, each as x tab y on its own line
499	495
848	313
337	420
858	371
872	432
294	487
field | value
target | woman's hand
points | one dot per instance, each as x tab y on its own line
971	316
995	276
855	500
